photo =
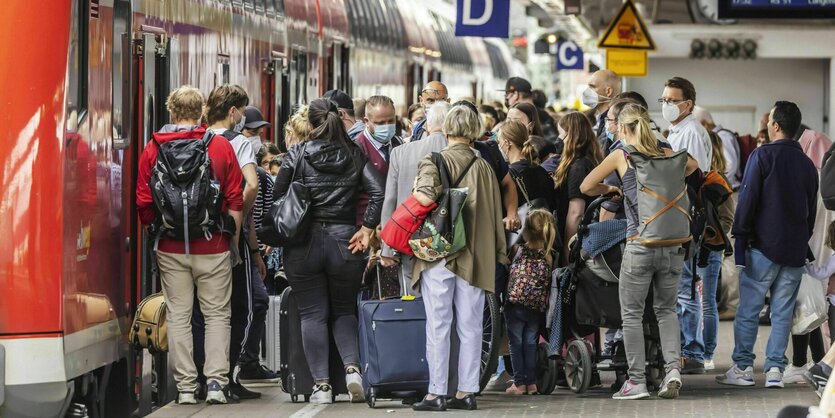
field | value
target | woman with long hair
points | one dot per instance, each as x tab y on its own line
581	153
643	266
325	271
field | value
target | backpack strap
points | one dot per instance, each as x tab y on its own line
439	162
229	134
520	184
464	171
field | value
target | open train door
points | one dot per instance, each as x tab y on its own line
278	98
156	70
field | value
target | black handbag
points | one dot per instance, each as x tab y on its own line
288	221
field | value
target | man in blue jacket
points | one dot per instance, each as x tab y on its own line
774	221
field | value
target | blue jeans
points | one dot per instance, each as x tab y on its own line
689	312
710	284
759	276
522	331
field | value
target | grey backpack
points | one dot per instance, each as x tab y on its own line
663	204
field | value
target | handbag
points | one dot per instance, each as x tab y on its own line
405	220
523	210
150	325
288	221
442	233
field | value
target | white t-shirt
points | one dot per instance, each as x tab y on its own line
242	146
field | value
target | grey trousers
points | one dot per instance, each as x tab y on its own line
660	268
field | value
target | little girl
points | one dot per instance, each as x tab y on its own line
527	296
827	272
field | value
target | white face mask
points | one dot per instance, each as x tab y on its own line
670	112
590	97
256	143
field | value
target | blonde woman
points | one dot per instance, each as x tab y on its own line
297	129
659	267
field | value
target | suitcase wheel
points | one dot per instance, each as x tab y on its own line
372	401
307	398
294	398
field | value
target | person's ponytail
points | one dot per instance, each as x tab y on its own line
635	119
324	117
529	152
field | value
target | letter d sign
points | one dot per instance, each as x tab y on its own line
483	18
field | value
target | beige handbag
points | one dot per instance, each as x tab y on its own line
150	326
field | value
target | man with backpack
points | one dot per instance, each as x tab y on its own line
193	255
730	144
775	217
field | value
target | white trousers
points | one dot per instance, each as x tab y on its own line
445	294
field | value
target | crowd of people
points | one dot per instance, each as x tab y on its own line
532	173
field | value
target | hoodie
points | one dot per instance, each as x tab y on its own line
225	168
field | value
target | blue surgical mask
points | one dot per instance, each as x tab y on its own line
384	133
610	135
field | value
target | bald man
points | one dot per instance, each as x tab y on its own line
432	92
604	85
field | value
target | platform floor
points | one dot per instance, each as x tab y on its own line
700	397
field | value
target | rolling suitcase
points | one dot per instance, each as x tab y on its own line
295	373
392	345
272	348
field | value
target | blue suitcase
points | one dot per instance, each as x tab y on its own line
392	342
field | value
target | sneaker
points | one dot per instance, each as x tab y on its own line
671	385
241	392
631	390
774	378
817	377
499	382
692	366
258	375
709	365
186	398
354	382
737	377
322	394
215	394
794	374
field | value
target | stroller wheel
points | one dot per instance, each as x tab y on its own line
546	371
490	340
578	366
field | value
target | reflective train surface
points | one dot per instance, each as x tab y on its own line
83	85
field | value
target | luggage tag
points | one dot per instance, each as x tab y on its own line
405	296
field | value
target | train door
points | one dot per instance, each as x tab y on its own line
156	69
278	98
298	78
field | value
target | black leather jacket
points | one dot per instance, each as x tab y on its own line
335	173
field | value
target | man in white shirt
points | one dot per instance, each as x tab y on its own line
730	146
677	103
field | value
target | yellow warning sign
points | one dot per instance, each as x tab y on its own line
627	62
627	30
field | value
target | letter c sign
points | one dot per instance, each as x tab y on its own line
483	18
569	56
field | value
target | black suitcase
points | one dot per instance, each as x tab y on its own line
295	373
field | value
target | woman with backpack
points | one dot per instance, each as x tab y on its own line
581	153
647	262
527	296
457	284
325	270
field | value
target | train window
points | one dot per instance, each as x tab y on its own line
279	6
259	7
122	62
249	5
78	61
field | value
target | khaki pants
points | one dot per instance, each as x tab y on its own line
211	274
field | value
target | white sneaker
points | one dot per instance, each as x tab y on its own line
215	395
186	398
671	385
709	365
774	378
355	391
794	374
322	394
737	377
631	391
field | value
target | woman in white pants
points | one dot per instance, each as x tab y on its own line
455	287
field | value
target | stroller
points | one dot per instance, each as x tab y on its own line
585	299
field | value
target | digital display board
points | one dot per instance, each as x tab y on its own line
776	9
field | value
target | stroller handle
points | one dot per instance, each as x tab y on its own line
595	204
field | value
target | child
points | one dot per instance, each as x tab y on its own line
827	272
527	296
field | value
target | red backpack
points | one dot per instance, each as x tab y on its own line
747	144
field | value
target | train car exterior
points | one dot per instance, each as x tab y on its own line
83	99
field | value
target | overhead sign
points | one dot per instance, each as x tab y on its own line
569	56
627	30
627	62
483	18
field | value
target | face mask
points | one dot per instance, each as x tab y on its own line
239	127
610	135
590	97
256	143
384	133
504	153
670	112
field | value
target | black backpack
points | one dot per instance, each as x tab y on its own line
827	180
186	196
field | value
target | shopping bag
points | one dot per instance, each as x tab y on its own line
810	308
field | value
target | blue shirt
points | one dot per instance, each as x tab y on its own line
777	204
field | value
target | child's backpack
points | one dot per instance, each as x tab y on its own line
530	279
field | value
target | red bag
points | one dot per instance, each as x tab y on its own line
405	220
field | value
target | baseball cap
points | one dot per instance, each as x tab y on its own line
342	99
254	118
517	84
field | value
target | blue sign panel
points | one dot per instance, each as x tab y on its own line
569	56
483	18
776	9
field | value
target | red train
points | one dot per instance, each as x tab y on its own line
83	85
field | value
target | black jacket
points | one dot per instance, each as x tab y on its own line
335	173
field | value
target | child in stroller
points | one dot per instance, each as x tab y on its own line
584	298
